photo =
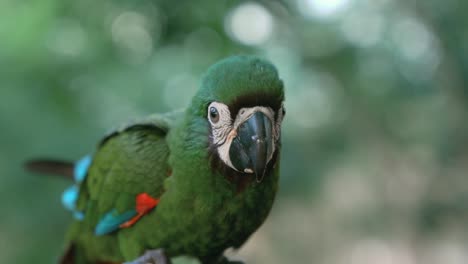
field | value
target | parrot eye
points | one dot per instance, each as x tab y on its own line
214	115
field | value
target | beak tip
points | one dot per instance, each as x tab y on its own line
251	149
260	174
259	177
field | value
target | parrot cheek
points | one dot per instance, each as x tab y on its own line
252	148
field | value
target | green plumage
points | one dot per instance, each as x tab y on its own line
203	207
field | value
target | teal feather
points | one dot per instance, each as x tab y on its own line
69	197
81	168
111	222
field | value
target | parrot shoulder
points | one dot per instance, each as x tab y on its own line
127	173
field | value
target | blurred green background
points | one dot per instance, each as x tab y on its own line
375	157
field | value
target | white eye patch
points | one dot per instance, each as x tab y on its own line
223	125
224	129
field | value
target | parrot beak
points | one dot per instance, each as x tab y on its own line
251	149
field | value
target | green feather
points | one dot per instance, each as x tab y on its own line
201	210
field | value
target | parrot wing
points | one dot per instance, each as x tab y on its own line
126	175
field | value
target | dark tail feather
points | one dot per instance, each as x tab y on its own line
55	167
69	256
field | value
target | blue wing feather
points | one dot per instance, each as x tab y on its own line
81	168
70	195
111	221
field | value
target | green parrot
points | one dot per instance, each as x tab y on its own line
188	183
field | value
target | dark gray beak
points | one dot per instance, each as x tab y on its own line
253	145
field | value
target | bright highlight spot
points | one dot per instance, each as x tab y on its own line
67	39
417	47
130	33
412	38
363	29
322	8
315	97
249	24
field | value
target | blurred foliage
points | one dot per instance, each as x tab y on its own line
375	140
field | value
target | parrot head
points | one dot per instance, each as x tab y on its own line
241	99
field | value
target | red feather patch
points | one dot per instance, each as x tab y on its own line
144	204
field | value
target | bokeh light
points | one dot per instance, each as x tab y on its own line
67	38
322	9
363	29
130	33
250	24
374	154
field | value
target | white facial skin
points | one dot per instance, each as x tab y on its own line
224	129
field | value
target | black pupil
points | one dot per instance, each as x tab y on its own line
213	113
